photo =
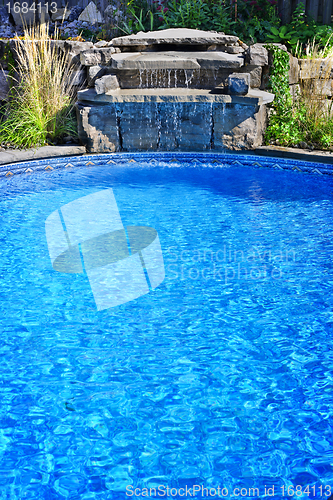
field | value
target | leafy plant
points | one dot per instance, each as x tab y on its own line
281	126
221	18
194	14
141	16
255	19
301	33
282	35
308	119
40	109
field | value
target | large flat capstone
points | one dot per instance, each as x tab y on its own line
254	97
177	36
176	60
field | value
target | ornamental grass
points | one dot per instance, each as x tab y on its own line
40	109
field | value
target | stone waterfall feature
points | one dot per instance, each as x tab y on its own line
176	89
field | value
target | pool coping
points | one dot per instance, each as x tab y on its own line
252	159
9	156
12	156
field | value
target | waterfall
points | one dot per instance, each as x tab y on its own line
188	76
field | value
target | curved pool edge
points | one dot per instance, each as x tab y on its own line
251	159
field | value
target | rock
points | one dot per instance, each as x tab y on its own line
24	19
91	14
110	12
184	127
234	50
316	68
44	15
135	121
295	91
239	83
94	57
293	70
178	36
101	43
4	16
74	13
71	25
61	14
74	49
243	45
303	145
239	127
106	84
95	72
322	87
97	127
175	60
255	75
257	55
78	77
4	86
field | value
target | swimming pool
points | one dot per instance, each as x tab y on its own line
218	379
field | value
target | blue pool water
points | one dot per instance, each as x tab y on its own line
221	377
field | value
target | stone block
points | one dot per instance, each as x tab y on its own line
255	75
185	126
43	15
24	18
239	83
175	36
106	84
151	122
4	86
176	60
95	72
295	91
4	15
239	127
257	55
91	14
101	43
321	87
293	70
95	57
74	49
154	61
78	77
97	128
138	126
234	50
316	68
61	14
